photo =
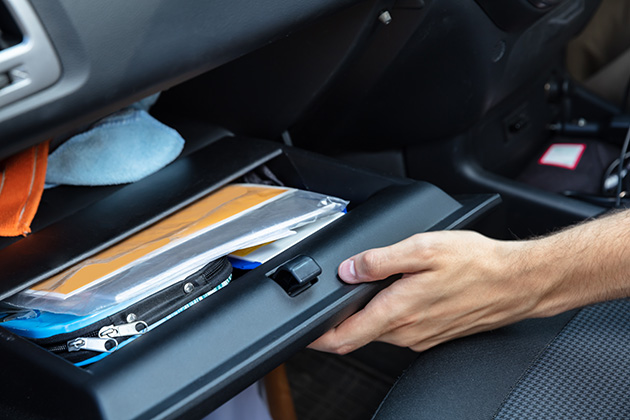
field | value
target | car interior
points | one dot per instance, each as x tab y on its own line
424	114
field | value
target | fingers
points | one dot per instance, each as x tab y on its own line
357	331
413	254
448	289
361	328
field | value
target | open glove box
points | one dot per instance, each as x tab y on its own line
196	361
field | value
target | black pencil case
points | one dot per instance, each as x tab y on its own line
83	340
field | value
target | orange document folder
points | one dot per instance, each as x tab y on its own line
214	209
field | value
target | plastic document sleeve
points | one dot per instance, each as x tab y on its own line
237	216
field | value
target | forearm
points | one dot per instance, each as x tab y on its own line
585	264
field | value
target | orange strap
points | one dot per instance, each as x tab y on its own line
21	186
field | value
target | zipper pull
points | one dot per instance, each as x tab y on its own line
103	345
123	330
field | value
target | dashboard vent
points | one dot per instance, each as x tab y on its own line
10	33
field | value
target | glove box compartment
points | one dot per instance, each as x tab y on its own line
199	359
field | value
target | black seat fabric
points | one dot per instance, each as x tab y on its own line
572	366
583	374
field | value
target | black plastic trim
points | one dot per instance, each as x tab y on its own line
210	352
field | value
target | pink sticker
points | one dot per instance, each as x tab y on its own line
563	155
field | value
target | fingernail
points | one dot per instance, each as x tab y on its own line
352	269
347	271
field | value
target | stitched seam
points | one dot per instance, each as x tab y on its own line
2	183
36	150
382	403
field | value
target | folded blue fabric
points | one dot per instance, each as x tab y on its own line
146	103
121	148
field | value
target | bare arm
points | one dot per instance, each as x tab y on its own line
459	283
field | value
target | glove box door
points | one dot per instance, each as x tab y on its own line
201	358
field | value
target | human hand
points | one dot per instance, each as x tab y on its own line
454	284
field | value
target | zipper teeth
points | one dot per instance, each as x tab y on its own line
58	349
214	269
207	273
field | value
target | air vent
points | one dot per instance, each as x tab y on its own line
28	62
10	34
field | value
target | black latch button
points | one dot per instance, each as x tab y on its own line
297	274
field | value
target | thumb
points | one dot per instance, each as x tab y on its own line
366	267
408	256
347	271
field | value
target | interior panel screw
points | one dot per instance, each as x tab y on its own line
189	287
385	18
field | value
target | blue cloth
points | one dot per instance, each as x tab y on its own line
121	148
146	103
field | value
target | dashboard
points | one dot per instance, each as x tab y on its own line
100	56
